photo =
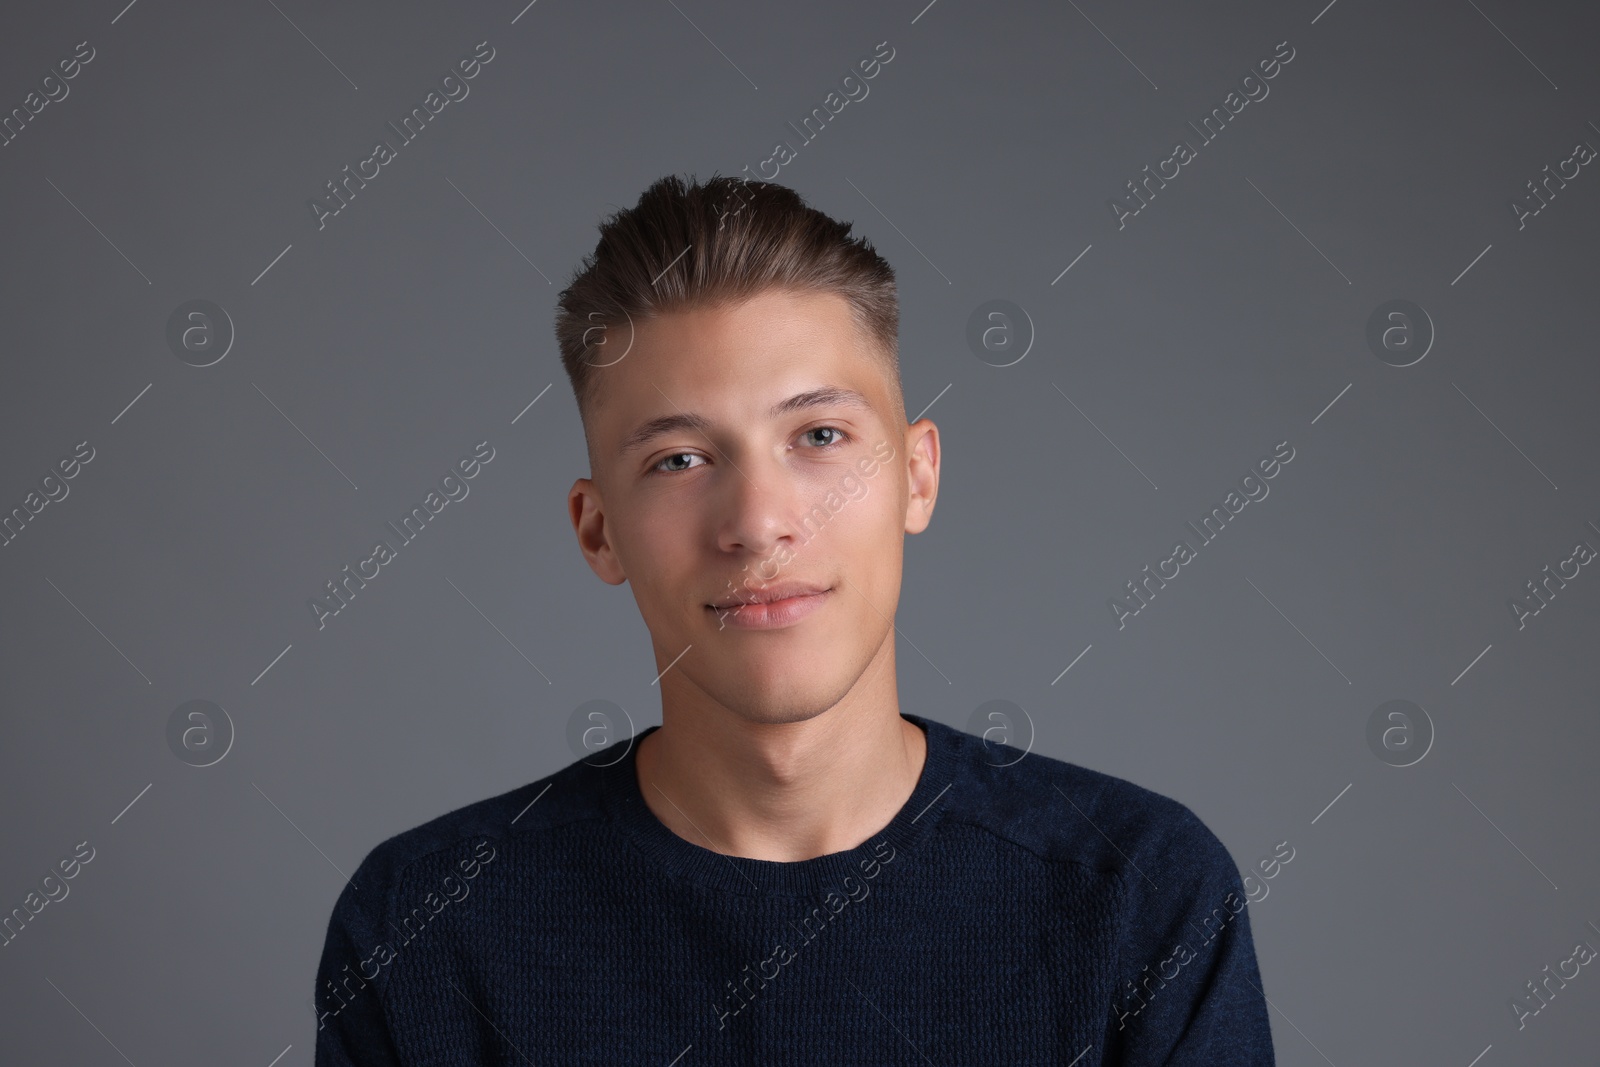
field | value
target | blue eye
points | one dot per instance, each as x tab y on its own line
661	466
839	435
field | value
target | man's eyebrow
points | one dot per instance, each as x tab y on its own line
825	396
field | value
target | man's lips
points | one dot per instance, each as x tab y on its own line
771	594
776	611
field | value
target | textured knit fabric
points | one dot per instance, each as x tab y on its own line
1017	910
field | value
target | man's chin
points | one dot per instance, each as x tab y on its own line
773	692
781	710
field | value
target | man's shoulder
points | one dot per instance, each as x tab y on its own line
1065	812
572	794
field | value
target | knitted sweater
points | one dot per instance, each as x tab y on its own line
1017	910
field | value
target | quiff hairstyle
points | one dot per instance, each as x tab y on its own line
715	244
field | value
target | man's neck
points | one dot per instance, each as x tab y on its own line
785	792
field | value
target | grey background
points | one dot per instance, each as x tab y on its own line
1226	317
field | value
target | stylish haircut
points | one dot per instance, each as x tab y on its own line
688	245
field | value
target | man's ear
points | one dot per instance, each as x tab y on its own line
922	469
588	515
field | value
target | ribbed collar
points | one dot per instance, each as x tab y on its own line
683	859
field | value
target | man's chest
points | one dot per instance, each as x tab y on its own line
1013	969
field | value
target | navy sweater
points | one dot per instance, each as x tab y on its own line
1031	913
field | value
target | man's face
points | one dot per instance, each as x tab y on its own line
767	480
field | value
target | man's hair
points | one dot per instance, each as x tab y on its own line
716	244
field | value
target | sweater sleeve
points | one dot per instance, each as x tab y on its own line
352	1026
1189	993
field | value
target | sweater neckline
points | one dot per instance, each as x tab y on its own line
684	859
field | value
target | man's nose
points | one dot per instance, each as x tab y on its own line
759	507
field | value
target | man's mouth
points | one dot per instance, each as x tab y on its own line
776	607
770	594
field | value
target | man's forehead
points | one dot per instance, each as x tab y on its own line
762	359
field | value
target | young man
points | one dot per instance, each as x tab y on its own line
788	869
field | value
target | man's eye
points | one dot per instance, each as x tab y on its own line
839	436
668	464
